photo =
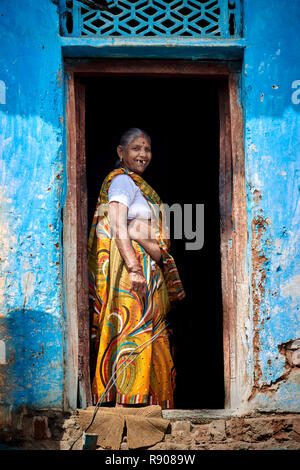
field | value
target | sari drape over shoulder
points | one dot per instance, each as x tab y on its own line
122	321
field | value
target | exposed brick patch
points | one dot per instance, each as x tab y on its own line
40	428
259	226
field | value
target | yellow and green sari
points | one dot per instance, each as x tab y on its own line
121	320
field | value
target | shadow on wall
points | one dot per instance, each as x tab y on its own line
30	371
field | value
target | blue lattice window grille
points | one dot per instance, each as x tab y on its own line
161	18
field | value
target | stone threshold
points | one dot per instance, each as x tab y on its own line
203	416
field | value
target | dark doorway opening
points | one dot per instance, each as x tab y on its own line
182	117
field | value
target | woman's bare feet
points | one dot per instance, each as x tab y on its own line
121	405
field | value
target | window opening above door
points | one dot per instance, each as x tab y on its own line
217	19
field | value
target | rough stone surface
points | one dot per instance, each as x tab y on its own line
258	431
181	426
217	430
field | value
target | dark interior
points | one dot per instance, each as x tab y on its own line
182	117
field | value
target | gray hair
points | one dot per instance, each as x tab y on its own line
131	134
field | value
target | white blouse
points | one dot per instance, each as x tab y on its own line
123	189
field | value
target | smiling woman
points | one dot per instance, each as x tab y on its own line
133	281
135	150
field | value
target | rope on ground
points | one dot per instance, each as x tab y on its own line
101	399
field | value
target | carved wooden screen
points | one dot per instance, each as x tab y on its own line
142	18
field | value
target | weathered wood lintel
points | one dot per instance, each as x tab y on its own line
145	67
154	47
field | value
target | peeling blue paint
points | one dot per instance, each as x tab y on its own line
32	154
34	357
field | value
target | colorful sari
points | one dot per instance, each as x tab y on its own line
122	321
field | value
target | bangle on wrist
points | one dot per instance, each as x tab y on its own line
135	269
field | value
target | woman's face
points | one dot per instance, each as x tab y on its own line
137	155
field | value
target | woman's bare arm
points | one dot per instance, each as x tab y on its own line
118	221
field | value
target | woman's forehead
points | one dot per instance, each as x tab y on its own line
141	139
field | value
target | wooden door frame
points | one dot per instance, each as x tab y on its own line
233	219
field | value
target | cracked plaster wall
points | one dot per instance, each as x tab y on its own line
272	119
32	188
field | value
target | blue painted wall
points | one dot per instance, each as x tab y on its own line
32	179
32	194
272	150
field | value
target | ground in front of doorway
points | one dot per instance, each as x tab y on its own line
188	430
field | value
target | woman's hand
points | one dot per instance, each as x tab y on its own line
138	283
141	231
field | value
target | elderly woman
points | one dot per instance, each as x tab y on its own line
133	283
